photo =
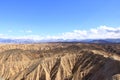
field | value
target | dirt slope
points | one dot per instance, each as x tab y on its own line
59	61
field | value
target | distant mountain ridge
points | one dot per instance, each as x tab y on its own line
2	40
99	41
102	41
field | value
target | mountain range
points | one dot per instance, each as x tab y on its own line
3	40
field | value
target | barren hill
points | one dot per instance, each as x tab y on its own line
60	61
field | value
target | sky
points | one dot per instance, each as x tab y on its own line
60	19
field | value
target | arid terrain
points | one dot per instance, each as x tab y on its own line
60	61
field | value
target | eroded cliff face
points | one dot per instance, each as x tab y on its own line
59	61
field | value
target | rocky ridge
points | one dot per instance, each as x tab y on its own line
59	61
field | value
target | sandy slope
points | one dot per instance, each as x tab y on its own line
59	61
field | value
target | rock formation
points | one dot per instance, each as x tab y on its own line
60	61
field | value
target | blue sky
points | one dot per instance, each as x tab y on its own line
54	18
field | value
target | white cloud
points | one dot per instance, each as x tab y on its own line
1	35
101	32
